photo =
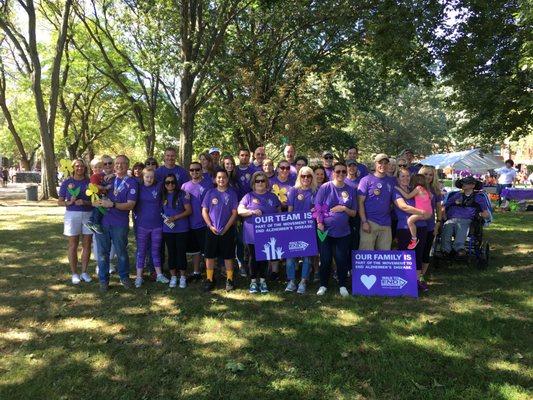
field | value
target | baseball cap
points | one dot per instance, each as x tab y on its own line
214	150
381	156
327	153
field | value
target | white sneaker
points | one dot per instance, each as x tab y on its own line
138	282
343	291
321	291
112	270
75	279
162	279
183	282
85	277
301	287
173	281
96	270
291	287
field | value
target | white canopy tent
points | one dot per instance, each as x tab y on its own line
475	161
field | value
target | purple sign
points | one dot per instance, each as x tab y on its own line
384	273
285	235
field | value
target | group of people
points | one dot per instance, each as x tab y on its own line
208	211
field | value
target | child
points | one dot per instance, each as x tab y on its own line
149	227
422	196
97	178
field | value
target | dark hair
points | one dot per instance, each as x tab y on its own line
302	158
151	160
419	180
164	191
353	147
246	150
339	163
509	161
195	162
233	179
223	171
138	165
170	148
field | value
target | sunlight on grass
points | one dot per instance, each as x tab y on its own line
431	344
75	324
16	335
504	365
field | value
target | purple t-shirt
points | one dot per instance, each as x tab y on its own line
182	224
287	184
181	175
413	169
329	172
243	177
455	210
220	206
73	185
197	192
353	182
300	199
122	191
378	193
267	202
402	215
436	200
147	212
338	223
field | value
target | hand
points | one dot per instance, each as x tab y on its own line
79	202
321	226
73	200
213	229
257	212
106	203
338	208
366	227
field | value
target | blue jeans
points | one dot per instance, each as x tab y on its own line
457	227
499	188
291	268
341	248
118	236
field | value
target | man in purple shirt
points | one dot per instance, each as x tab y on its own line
259	157
327	163
409	155
375	198
170	167
460	210
351	155
121	198
290	155
244	172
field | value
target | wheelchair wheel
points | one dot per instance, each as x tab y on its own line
483	261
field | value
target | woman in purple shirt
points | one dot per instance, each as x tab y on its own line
254	204
149	230
78	211
176	210
300	198
341	202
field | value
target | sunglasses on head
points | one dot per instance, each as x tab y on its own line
341	171
170	182
285	168
195	169
260	181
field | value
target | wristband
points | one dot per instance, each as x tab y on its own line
114	205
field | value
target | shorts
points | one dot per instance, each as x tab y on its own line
196	240
217	246
74	221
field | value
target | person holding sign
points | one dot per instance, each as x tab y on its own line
219	210
375	198
300	198
254	204
78	211
335	203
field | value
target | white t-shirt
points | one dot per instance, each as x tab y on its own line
506	175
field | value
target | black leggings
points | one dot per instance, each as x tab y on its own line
257	268
176	244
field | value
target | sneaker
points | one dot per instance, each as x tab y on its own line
96	270
321	291
291	287
126	283
183	282
94	228
85	277
112	270
263	287
153	276
243	272
173	282
254	288
138	282
76	279
229	285
412	244
316	278
343	291
274	276
196	277
301	287
104	286
162	279
422	286
208	285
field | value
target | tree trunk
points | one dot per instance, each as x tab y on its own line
186	134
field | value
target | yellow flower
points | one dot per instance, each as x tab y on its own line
280	192
65	166
92	192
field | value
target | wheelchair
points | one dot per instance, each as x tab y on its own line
477	248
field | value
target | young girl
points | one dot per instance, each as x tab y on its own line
148	225
422	196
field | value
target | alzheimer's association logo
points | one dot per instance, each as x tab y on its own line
392	282
298	246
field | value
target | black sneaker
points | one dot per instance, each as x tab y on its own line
229	285
126	283
274	276
208	285
104	287
195	277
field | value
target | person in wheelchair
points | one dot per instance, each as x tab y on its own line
460	209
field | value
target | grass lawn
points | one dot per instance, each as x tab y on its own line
469	338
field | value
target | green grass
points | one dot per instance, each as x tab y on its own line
469	338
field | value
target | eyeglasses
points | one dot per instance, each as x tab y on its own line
402	165
170	182
341	171
108	163
285	168
195	169
328	158
260	181
151	162
306	176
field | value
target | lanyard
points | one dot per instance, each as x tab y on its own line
118	189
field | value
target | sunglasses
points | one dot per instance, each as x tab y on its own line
260	181
151	163
328	158
341	171
285	168
402	165
307	176
170	182
195	169
108	163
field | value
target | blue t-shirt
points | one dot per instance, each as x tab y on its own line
122	191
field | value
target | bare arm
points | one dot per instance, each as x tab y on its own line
402	205
406	195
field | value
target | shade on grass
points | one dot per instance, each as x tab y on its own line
469	338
